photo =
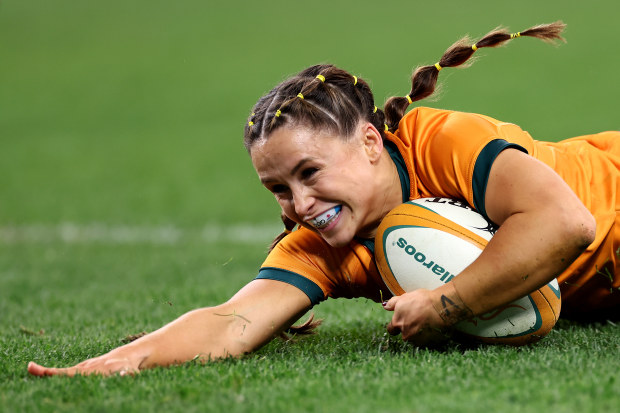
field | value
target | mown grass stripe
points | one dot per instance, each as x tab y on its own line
74	233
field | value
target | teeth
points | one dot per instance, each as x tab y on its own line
325	217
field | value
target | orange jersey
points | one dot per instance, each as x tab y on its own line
449	154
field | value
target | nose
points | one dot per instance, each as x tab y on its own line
302	201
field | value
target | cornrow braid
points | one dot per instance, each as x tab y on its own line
424	78
333	100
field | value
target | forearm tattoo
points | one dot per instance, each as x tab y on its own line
452	309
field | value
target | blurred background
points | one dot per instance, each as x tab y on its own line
127	198
132	112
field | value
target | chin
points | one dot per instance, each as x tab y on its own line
338	240
339	235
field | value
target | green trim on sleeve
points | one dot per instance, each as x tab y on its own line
482	169
313	291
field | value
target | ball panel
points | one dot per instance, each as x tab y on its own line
438	255
545	305
417	215
518	318
425	242
536	332
551	294
457	212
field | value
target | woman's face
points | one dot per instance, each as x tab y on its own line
322	181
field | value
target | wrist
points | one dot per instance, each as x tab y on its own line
449	305
136	353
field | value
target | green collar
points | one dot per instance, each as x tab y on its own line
403	175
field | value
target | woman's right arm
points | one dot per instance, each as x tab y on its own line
256	314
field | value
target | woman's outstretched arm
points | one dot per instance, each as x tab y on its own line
257	313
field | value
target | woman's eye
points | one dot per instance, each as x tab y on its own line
308	172
279	189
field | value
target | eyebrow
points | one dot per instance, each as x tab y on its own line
296	168
300	164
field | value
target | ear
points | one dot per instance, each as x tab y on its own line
373	142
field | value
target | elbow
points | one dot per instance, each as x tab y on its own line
588	232
581	229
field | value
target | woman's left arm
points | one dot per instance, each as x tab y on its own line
544	227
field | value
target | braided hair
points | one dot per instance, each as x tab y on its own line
321	97
424	78
324	97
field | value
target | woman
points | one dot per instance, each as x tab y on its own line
337	165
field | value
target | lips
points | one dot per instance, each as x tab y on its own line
325	218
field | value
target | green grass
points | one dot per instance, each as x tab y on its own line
121	154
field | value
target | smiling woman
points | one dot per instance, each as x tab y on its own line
328	184
337	164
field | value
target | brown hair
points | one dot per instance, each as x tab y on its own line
424	78
321	97
327	98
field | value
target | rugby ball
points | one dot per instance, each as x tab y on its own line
426	242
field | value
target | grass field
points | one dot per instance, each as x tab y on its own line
127	199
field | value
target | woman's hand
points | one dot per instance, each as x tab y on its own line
416	318
106	365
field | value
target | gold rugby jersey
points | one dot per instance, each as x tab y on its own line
441	153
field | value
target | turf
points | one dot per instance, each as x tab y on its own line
126	197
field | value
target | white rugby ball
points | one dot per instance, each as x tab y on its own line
426	242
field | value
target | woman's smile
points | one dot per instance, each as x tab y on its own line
323	221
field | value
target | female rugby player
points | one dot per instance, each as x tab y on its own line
337	164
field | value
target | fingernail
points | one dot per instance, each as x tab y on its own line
384	303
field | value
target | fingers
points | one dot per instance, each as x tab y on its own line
391	303
35	369
415	318
392	329
393	326
41	371
428	337
88	367
420	337
389	306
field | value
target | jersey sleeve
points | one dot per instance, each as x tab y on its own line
305	260
457	157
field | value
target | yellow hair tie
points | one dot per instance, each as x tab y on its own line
278	113
321	78
250	123
375	110
438	67
386	127
409	99
354	80
300	96
474	48
514	35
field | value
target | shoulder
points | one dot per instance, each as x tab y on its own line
305	247
421	121
303	239
423	124
335	272
441	128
